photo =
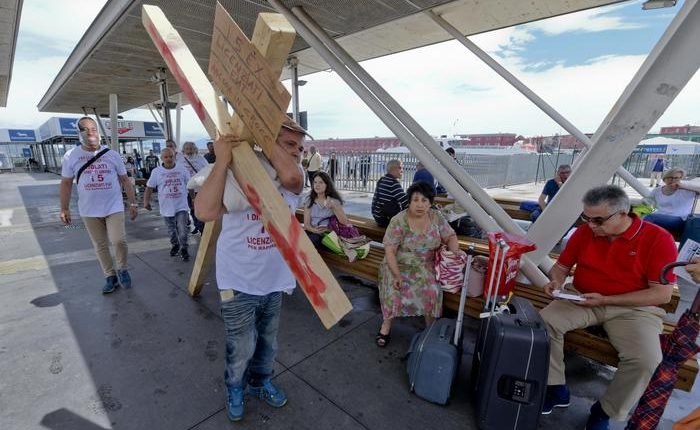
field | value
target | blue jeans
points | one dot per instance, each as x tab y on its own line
177	228
535	214
251	324
199	225
673	224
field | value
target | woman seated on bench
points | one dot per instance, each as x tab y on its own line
407	281
323	202
673	202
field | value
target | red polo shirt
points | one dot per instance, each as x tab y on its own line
623	265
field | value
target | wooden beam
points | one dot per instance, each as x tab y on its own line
271	38
316	280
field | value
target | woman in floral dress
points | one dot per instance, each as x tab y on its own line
407	282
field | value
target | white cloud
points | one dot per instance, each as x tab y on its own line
60	23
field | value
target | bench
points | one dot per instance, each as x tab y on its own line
582	342
512	207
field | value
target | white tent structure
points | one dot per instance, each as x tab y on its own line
668	146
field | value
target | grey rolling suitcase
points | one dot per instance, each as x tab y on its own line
434	354
510	366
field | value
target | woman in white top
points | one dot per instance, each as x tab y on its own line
673	202
323	203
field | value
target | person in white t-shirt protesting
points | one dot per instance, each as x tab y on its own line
250	272
169	143
194	162
171	181
100	176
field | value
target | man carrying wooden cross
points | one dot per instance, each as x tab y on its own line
250	271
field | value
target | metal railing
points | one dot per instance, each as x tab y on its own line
360	171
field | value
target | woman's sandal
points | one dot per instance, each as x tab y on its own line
382	340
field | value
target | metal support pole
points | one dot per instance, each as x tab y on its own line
158	121
114	123
178	117
293	63
534	98
423	154
165	104
419	134
667	69
103	132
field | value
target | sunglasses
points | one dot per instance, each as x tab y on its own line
597	220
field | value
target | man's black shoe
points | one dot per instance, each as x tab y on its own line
174	250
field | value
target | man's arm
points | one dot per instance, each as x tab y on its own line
65	191
130	196
557	274
655	295
147	198
209	204
541	200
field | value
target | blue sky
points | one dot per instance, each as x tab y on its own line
579	63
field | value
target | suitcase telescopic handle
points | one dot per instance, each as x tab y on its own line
669	267
695	306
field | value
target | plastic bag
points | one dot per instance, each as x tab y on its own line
475	284
331	241
518	245
642	209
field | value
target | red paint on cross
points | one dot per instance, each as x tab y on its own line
297	260
179	76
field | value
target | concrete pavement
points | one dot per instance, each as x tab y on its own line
152	357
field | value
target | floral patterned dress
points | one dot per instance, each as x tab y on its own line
420	293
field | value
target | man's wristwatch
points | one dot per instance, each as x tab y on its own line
133	205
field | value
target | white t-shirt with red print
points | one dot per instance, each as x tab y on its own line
99	190
172	188
247	260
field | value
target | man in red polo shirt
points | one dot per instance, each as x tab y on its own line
618	260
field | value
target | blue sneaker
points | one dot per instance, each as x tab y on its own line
557	396
598	420
234	404
268	392
111	284
124	278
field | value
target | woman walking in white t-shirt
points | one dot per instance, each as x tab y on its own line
673	202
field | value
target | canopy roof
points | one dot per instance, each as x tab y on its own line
10	11
117	56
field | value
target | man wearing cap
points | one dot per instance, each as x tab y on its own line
618	259
100	176
250	272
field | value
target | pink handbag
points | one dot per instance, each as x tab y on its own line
477	275
449	269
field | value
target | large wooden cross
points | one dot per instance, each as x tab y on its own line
249	79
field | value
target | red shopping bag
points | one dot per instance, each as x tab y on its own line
517	246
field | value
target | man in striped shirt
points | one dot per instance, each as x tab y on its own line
389	198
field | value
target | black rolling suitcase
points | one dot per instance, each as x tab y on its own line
434	354
510	364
